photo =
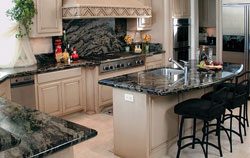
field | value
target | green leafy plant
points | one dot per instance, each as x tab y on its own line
22	12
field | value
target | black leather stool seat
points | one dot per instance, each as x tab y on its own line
200	109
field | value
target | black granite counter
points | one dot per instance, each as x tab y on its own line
42	68
40	134
8	140
164	81
48	64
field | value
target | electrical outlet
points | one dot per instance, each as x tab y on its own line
129	97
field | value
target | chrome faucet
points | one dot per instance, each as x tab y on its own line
185	68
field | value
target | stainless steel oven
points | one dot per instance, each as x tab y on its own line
181	39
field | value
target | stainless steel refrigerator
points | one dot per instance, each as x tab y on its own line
236	33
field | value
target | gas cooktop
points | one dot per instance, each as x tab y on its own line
111	62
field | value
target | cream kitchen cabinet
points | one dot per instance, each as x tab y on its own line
72	95
5	89
181	8
61	92
139	24
48	20
207	13
105	95
50	99
155	61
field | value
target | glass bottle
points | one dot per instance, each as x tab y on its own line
65	40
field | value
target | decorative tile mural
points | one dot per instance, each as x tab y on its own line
96	35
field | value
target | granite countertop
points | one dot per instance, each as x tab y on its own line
8	140
49	66
161	82
42	68
38	133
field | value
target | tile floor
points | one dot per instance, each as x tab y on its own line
101	146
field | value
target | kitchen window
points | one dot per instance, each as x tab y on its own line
14	52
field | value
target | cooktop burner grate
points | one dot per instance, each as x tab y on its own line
102	57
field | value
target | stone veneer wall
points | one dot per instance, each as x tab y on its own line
96	35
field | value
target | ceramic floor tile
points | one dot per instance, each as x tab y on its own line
101	146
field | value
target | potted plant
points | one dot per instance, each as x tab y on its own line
22	12
128	39
146	39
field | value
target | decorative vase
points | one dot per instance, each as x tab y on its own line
146	48
127	48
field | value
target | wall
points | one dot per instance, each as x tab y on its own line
157	22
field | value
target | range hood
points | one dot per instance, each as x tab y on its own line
76	9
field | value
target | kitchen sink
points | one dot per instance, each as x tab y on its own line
167	71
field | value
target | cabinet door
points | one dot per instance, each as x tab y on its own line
177	10
181	8
153	65
48	20
207	13
211	14
72	95
185	8
155	61
105	95
49	98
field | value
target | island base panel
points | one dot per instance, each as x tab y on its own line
146	125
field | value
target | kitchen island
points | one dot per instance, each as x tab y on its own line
145	124
26	132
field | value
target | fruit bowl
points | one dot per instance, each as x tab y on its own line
214	66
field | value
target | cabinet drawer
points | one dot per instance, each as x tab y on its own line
153	58
57	75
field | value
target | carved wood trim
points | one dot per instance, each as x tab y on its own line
102	12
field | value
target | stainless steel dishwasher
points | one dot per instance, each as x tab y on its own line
23	91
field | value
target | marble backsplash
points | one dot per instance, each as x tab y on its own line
96	35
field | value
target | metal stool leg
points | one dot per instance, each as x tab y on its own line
180	138
231	124
246	113
218	134
194	133
240	117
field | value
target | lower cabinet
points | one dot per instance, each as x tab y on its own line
5	89
72	95
50	99
61	94
105	95
155	61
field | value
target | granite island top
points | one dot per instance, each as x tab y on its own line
38	133
161	81
49	65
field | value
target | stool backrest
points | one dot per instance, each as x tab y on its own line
219	96
240	94
243	76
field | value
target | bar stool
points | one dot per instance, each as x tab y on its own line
206	110
236	98
243	76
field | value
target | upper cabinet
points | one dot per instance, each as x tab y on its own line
140	24
207	13
181	8
48	20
